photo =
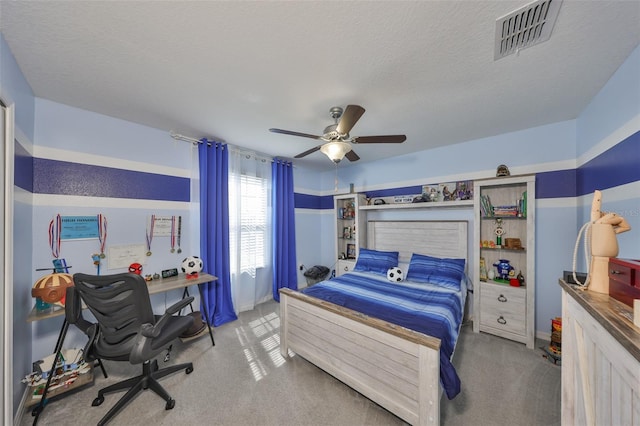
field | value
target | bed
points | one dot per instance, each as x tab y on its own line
394	366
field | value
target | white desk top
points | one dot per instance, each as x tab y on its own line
155	286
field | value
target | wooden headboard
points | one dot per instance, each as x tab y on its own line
433	238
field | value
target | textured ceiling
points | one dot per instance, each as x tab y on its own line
232	70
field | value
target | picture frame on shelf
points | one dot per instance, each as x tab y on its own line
431	192
464	190
351	251
346	232
483	270
447	191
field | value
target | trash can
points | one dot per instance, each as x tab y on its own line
315	274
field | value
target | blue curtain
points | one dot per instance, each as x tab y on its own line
284	228
214	230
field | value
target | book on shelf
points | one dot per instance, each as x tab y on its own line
485	205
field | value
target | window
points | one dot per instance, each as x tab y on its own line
248	222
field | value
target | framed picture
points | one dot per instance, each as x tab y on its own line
431	192
447	191
464	190
346	232
483	270
351	251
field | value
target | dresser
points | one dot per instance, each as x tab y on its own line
624	280
600	360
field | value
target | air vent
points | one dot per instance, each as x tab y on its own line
525	27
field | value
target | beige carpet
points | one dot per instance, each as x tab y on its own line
243	380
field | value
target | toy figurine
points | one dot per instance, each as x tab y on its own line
499	232
504	268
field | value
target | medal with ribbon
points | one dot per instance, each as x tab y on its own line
149	232
55	228
173	234
179	232
102	234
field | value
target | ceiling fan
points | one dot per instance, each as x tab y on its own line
337	141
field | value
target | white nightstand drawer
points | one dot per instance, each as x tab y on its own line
344	266
503	308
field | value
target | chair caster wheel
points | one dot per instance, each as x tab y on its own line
189	370
170	404
99	400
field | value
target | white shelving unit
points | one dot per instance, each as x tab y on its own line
503	308
428	205
350	230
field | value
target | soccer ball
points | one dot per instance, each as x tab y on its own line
192	265
395	275
135	268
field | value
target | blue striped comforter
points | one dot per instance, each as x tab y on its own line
426	308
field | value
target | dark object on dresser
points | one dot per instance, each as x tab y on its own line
624	280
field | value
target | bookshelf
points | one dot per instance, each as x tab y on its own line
504	248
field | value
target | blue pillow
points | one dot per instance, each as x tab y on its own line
376	261
427	269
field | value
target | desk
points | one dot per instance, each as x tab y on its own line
154	286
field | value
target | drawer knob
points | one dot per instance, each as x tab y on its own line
346	268
614	272
501	298
501	320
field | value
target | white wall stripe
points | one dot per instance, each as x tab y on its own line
625	192
54	200
315	211
99	160
23	141
623	132
548	203
22	196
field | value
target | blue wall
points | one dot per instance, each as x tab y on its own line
15	90
598	149
86	164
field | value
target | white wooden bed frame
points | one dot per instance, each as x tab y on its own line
397	368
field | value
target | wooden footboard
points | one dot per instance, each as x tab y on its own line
395	367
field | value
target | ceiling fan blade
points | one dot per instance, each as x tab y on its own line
309	151
349	118
352	156
380	139
289	132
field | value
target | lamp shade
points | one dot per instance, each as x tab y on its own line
52	288
335	150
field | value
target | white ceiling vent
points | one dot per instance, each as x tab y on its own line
525	27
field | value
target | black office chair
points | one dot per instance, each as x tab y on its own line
126	330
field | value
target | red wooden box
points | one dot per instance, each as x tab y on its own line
624	280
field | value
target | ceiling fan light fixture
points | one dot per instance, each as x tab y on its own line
335	150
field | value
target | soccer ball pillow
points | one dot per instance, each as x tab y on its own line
395	275
192	265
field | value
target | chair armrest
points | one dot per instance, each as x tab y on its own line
149	330
176	307
73	311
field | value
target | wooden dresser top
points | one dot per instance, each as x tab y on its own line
614	316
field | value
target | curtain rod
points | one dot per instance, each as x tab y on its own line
194	141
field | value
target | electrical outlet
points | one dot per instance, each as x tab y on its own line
301	267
